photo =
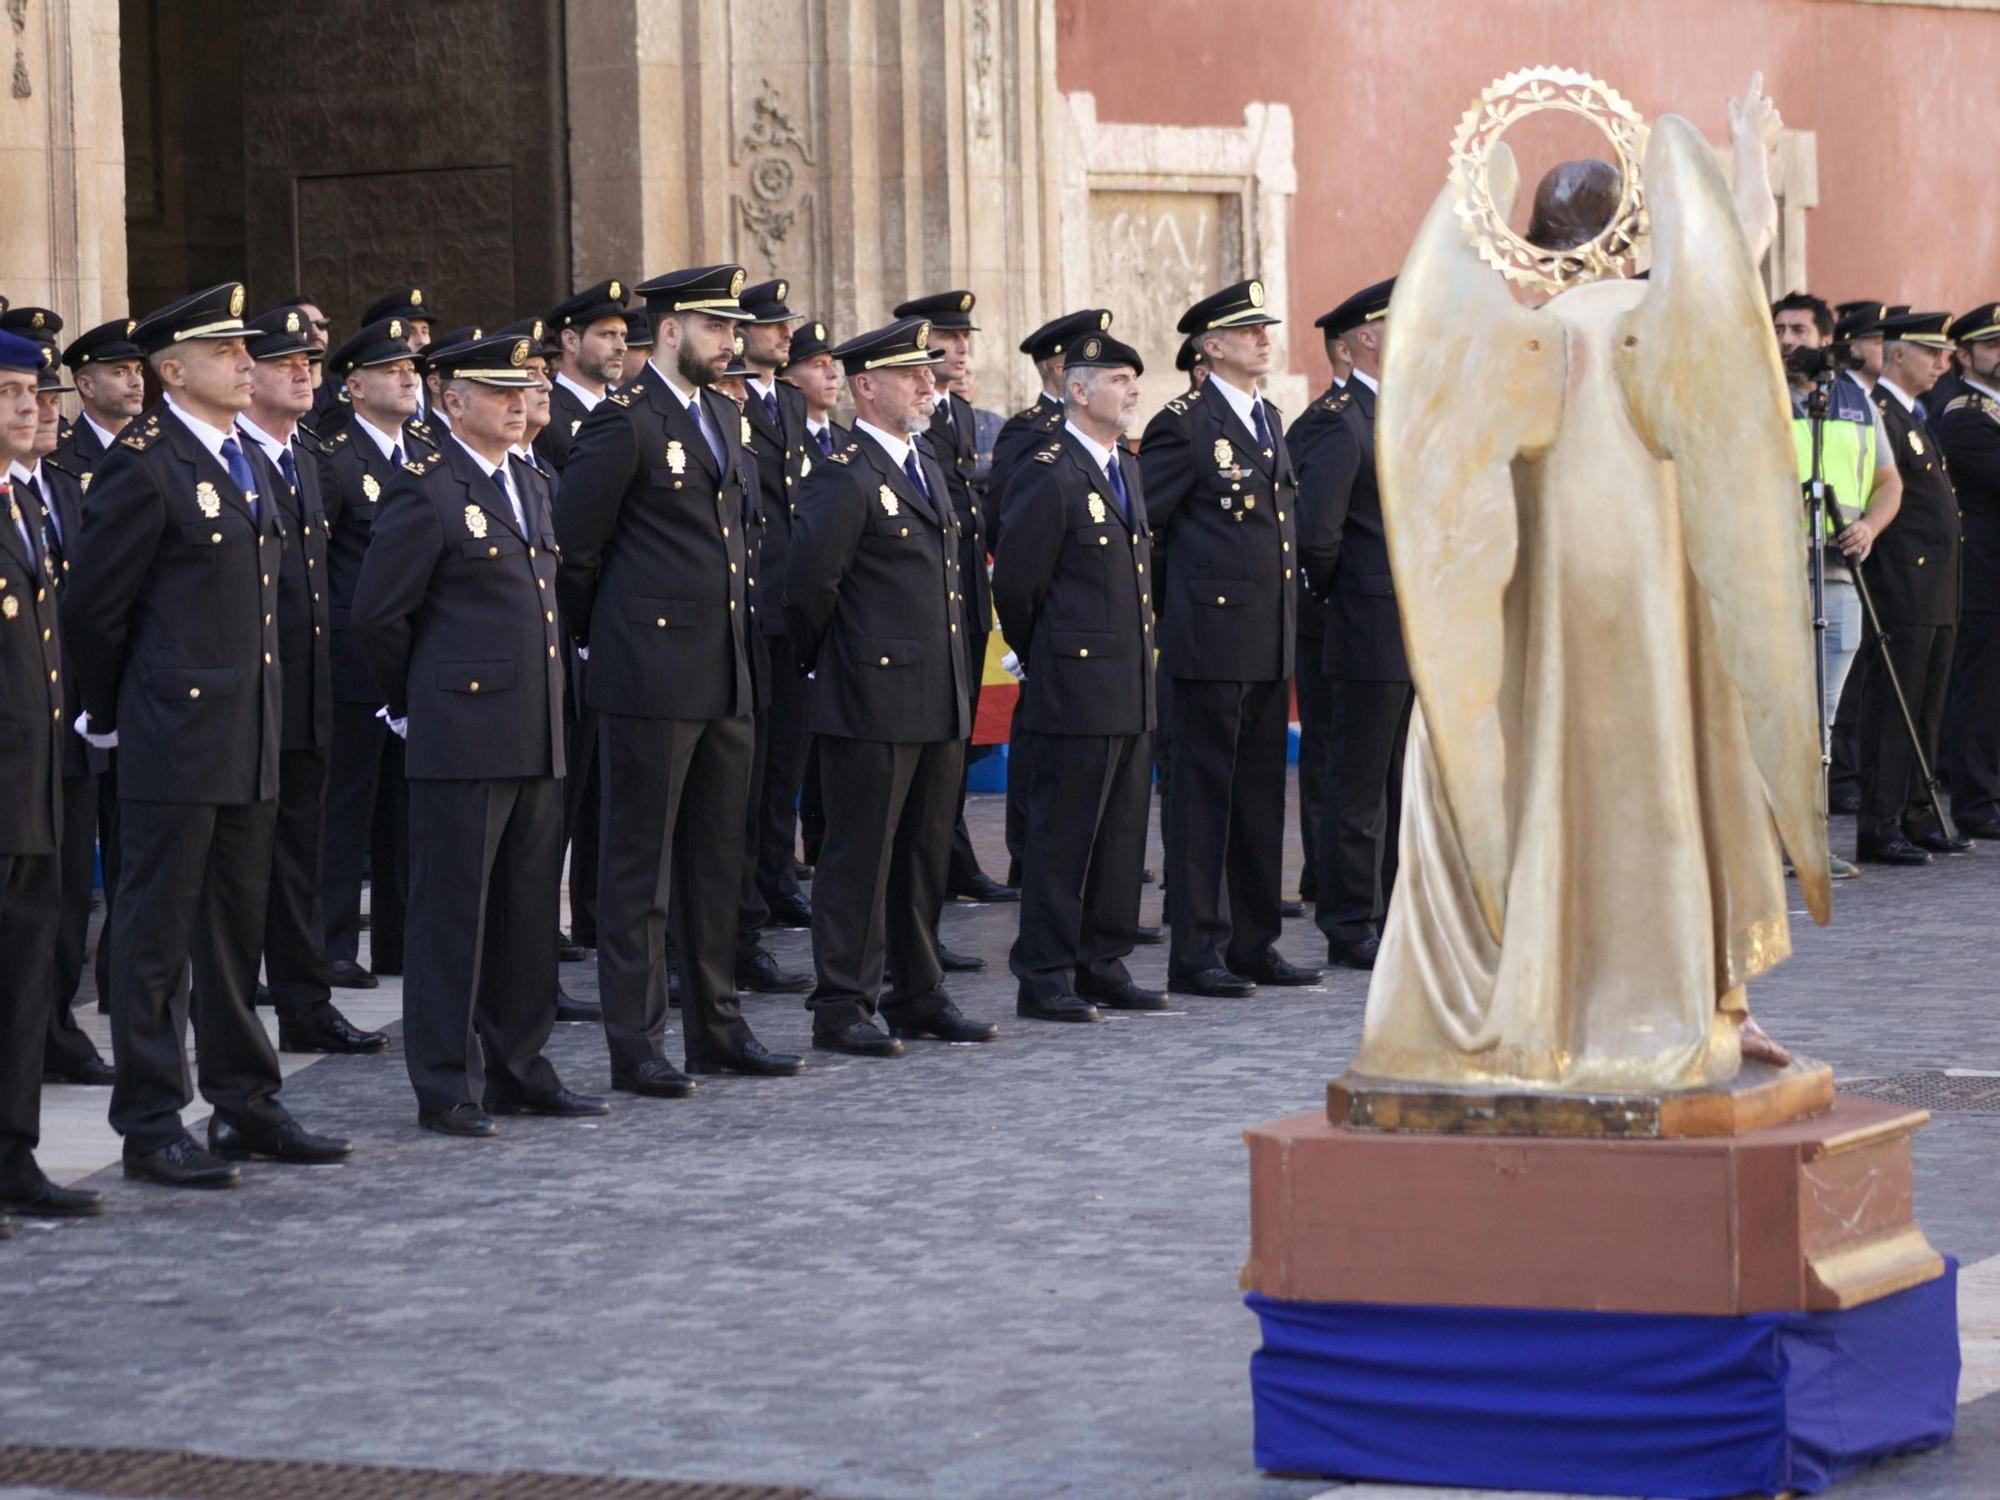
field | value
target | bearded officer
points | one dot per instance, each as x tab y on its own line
653	587
454	610
873	607
588	330
173	601
1075	599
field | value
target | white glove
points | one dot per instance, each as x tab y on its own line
95	741
583	653
398	727
1011	664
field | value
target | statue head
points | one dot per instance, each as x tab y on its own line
1573	203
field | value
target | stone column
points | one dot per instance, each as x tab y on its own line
866	150
62	159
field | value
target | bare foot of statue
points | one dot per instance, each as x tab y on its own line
1758	1044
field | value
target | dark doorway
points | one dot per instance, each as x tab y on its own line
346	147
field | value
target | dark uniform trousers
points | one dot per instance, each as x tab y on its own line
879	886
650	519
295	963
872	584
366	830
454	612
1222	500
28	911
1070	581
1313	690
1894	800
583	810
780	779
485	863
1362	809
167	536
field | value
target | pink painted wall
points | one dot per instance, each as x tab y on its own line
1901	96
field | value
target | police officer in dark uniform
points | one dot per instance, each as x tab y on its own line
1221	490
588	333
367	808
1913	573
1075	599
173	601
591	358
776	413
873	607
294	953
32	688
813	372
1310	684
955	449
455	613
1036	424
52	502
110	389
1968	435
1347	566
650	520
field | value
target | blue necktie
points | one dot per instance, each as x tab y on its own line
771	408
1117	477
507	502
715	448
288	468
825	437
915	470
396	455
1263	428
241	473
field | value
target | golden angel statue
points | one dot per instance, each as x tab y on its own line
1594	526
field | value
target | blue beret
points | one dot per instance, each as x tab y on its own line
17	353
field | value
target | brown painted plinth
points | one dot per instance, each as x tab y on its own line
1812	1214
1760	1095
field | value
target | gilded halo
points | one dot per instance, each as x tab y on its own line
1510	99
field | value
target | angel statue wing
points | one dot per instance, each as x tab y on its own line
1449	509
1704	388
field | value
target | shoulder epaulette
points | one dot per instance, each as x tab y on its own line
340	437
1026	413
138	441
620	398
1049	454
1178	406
65	431
845	455
417	466
1335	400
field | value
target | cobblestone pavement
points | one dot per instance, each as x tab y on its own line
1002	1271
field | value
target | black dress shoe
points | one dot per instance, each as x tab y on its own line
1987	829
569	1008
1937	843
325	1029
346	974
460	1119
1217	984
1148	937
287	1141
182	1164
1056	1008
761	975
980	886
946	1025
1127	996
563	1104
655	1078
47	1201
1894	851
1290	909
93	1073
859	1039
958	963
751	1057
1276	969
570	953
1356	955
790	911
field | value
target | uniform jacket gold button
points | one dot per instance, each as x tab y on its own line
1083	650
472	686
885	661
1220	600
194	692
215	536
